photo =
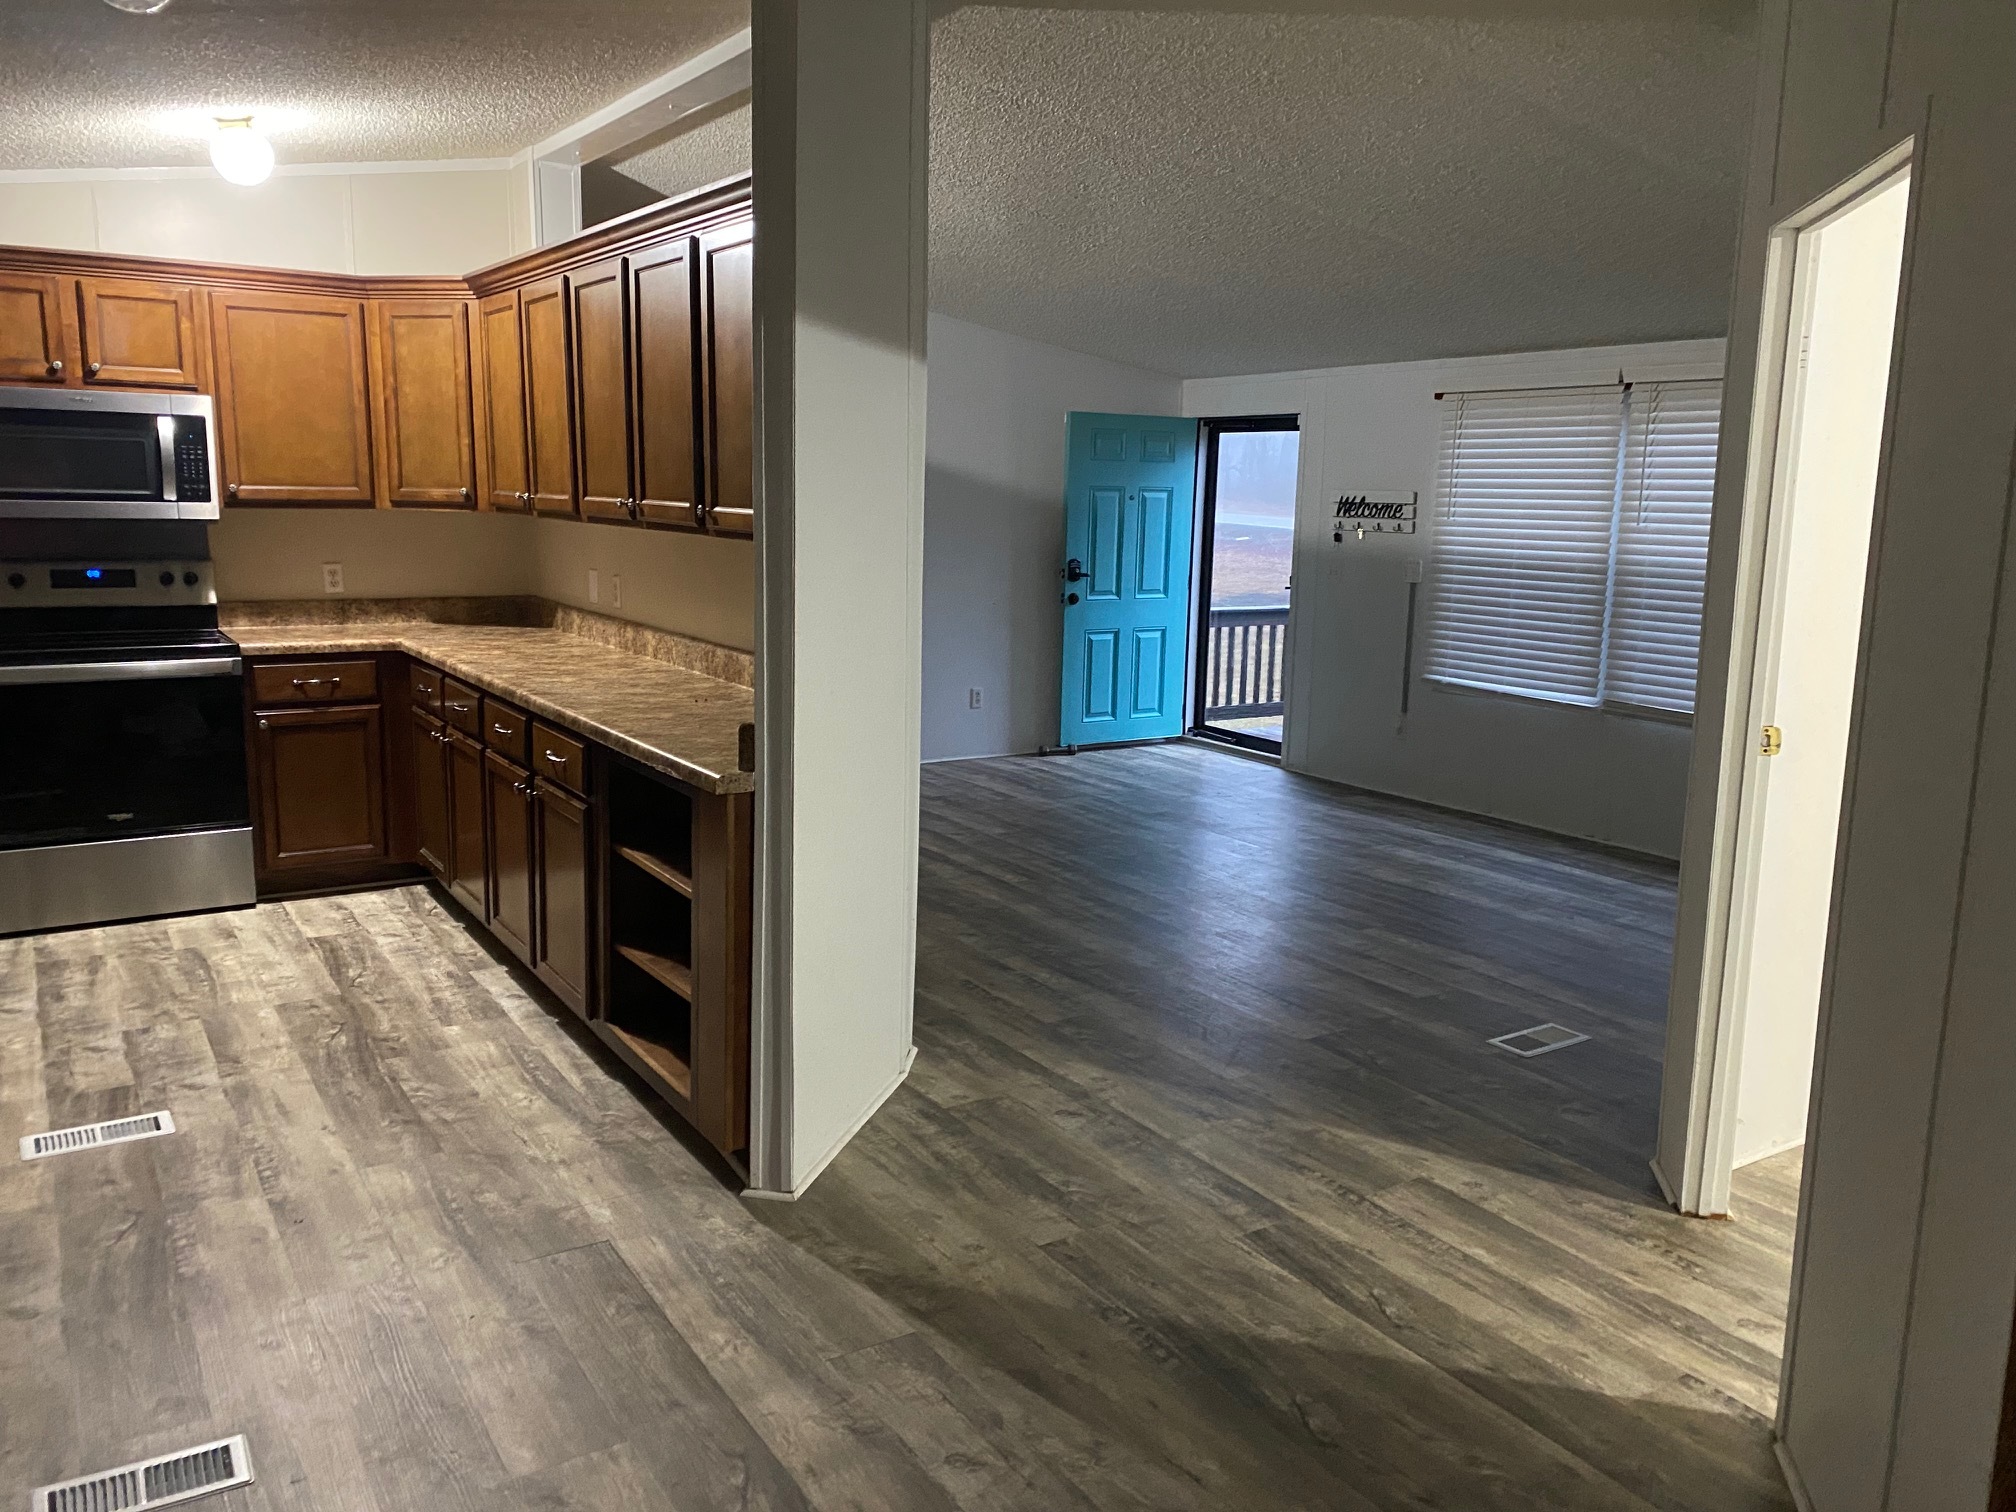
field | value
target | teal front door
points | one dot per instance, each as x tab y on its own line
1129	500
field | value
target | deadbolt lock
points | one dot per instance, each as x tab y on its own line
1771	742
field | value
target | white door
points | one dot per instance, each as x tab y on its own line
1760	1005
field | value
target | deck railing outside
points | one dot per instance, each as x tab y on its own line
1242	676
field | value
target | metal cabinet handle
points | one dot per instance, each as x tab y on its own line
460	708
422	687
465	495
554	756
264	725
56	369
522	787
94	368
503	729
232	490
315	682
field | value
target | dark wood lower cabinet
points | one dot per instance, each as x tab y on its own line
321	777
565	936
510	800
433	839
626	892
468	874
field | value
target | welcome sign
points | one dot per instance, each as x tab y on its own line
1376	514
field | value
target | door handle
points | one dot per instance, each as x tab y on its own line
1074	571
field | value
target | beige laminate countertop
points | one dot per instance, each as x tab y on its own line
678	722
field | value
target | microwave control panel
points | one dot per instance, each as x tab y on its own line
192	461
63	585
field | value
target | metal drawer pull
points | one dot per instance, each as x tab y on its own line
461	708
315	682
503	729
554	756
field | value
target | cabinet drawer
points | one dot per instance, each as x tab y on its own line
426	688
314	682
506	730
462	707
559	758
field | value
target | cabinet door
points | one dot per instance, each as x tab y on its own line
602	389
293	415
566	923
511	880
469	866
548	395
32	345
140	333
507	479
729	393
430	793
420	380
664	306
321	775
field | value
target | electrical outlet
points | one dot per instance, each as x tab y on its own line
332	577
616	590
594	586
972	698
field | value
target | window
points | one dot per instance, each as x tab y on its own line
1572	542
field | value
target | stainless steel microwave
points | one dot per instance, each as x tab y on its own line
67	454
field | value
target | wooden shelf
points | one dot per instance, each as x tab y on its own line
662	968
676	1072
658	867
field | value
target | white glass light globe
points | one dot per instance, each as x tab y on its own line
240	153
139	7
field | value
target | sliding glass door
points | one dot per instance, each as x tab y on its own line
1248	530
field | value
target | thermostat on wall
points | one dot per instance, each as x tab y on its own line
1363	514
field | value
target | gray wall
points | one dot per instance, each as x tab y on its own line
1603	776
1906	1265
994	528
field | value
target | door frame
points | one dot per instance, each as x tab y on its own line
1209	429
1698	1097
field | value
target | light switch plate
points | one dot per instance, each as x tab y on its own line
594	586
616	590
972	698
332	577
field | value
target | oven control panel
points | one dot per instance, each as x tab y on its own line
60	585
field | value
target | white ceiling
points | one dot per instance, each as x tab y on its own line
329	80
1203	189
1213	193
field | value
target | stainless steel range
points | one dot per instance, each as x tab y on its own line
124	790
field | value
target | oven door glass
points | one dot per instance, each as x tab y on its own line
112	760
99	457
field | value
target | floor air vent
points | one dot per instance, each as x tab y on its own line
159	1482
91	1136
1538	1040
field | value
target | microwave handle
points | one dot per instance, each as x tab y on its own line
164	434
121	671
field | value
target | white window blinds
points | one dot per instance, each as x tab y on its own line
1572	540
1662	544
1522	551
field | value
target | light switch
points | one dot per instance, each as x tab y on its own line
594	586
616	590
1413	569
972	698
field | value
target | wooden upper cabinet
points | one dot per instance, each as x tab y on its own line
293	411
505	452
729	391
420	371
33	344
664	309
548	394
602	389
138	333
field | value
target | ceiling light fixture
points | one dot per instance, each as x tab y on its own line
240	153
139	7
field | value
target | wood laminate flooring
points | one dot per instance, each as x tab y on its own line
1205	1193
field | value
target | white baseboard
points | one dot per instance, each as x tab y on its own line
765	1194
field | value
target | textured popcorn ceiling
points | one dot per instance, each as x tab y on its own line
86	86
1211	193
699	153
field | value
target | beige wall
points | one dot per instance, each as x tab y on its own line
389	221
695	585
